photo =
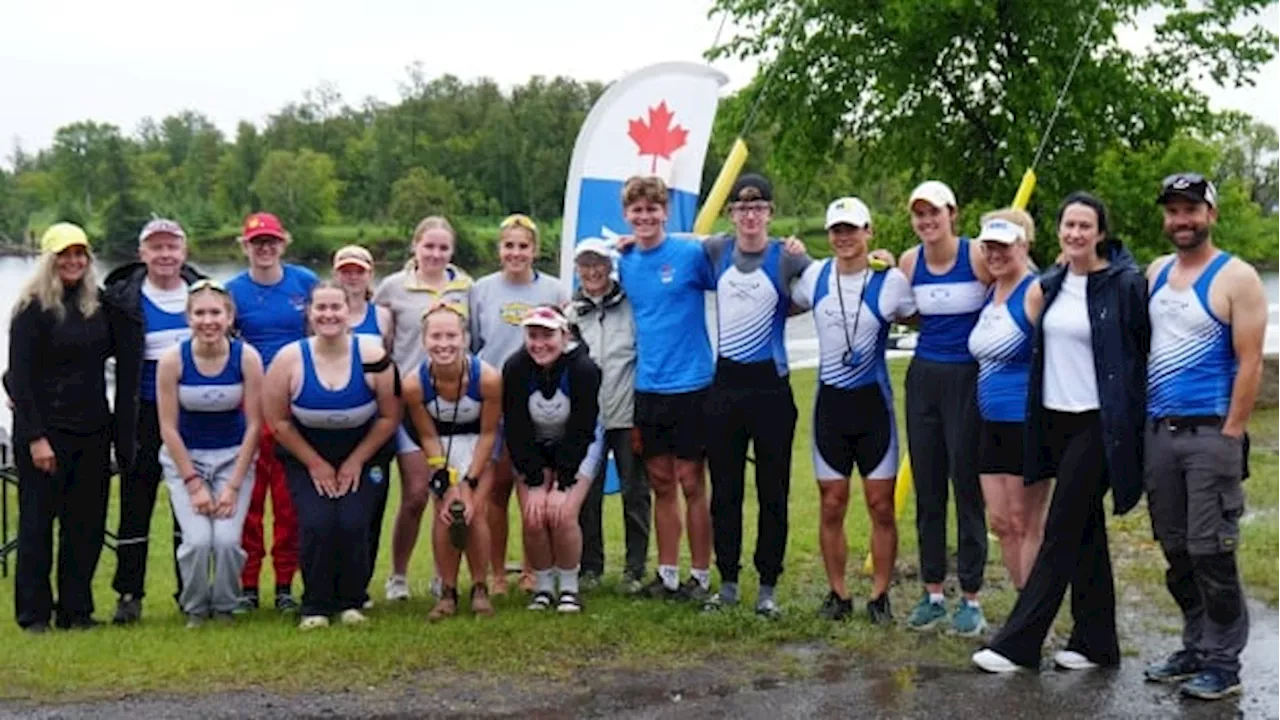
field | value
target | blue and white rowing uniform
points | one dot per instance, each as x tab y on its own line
457	422
211	408
369	323
949	305
164	322
1192	363
853	419
333	420
1001	343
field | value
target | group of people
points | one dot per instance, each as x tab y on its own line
278	383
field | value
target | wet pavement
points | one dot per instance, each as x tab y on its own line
829	685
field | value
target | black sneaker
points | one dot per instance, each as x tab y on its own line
1212	684
835	608
36	628
285	603
880	611
247	603
79	623
692	591
657	590
1179	666
128	610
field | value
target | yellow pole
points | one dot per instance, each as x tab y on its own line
720	190
1023	196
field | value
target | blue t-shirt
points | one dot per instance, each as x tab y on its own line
666	286
272	316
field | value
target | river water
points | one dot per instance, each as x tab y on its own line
802	343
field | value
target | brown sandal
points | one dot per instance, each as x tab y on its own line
446	606
480	604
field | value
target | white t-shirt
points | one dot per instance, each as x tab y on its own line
1070	379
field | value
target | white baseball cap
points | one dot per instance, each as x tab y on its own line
547	317
161	225
594	246
848	211
935	193
1002	231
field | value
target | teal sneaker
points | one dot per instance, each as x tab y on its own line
926	614
968	620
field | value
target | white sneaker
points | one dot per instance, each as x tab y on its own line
353	617
368	604
994	662
397	588
437	587
311	622
1072	660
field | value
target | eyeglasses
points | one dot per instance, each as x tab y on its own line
750	208
262	240
518	220
207	284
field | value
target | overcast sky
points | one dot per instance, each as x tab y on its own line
121	61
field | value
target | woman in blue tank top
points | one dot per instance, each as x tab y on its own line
949	280
353	269
454	402
207	391
1001	343
331	401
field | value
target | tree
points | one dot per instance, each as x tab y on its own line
419	194
1249	150
298	187
963	91
123	214
78	163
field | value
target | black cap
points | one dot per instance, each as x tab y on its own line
751	180
1191	186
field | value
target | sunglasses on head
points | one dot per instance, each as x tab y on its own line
1182	180
519	220
207	284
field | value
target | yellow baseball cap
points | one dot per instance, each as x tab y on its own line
61	236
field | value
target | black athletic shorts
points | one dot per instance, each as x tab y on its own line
1000	448
851	427
672	424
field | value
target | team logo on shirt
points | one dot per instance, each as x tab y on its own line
939	293
743	289
666	273
513	313
298	303
375	475
1171	306
213	394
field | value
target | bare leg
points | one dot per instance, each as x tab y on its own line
496	517
884	531
414	478
834	496
666	507
1035	502
693	480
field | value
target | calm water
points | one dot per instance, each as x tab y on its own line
802	345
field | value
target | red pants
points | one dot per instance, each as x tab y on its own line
269	474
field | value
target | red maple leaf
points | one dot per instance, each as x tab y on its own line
657	137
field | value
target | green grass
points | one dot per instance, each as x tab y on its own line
398	646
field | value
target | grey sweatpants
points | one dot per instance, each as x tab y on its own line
208	541
942	434
1193	477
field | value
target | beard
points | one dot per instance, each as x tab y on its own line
1199	236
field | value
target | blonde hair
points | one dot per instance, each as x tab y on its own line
433	222
205	288
644	187
456	309
1021	218
45	288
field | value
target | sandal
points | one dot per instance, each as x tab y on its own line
498	585
569	603
541	601
526	582
446	606
480	604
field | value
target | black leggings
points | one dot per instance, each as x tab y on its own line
1074	552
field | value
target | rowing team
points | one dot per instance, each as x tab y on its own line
1087	373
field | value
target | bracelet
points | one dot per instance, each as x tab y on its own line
453	477
436	460
193	476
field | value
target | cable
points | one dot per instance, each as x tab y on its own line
1057	107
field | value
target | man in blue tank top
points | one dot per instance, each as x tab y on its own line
271	299
666	279
949	281
750	399
1208	320
146	306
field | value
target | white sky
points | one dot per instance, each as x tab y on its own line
121	61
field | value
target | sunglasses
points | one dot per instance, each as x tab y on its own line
207	284
519	220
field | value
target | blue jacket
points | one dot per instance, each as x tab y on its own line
1117	298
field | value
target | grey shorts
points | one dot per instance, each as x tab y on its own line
1193	480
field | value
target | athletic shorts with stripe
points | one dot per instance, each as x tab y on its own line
854	427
